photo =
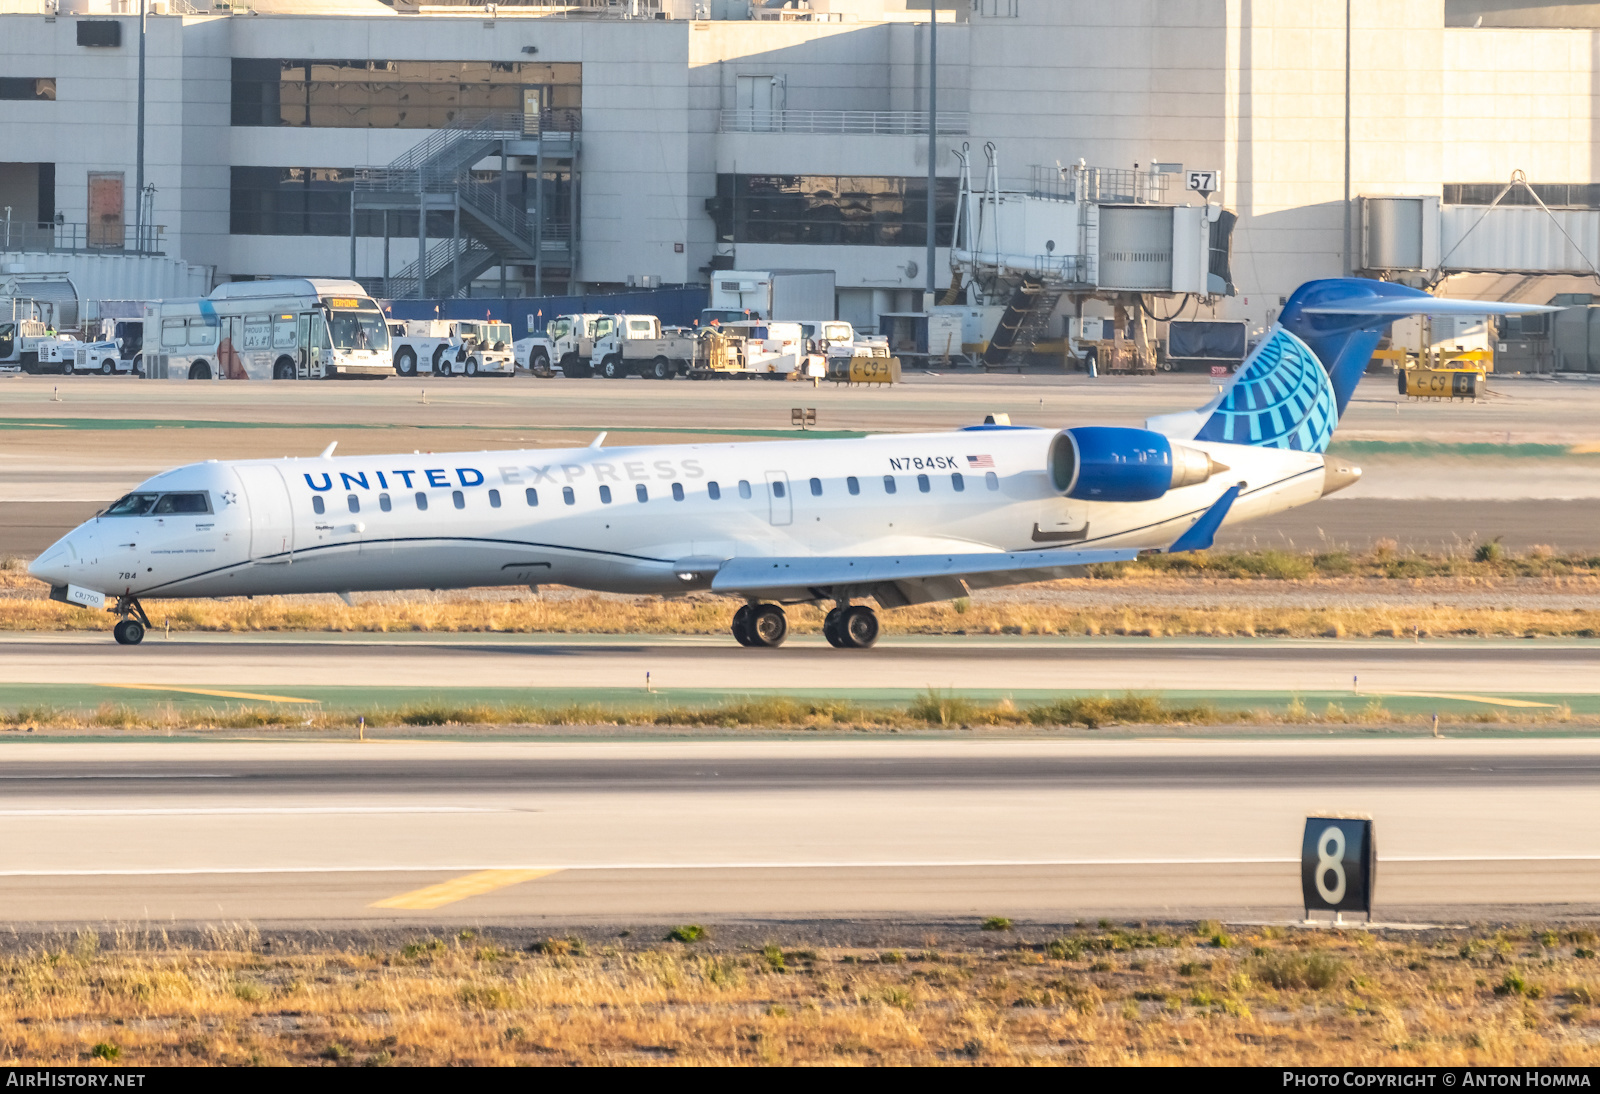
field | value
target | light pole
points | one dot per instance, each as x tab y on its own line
933	131
1349	265
138	185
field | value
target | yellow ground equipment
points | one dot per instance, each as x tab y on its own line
863	363
1440	383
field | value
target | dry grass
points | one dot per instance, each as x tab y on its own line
933	709
1433	579
1107	996
648	615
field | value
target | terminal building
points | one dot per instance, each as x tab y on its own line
540	148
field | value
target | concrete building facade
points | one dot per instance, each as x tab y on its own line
708	138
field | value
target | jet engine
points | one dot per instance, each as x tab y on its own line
1114	463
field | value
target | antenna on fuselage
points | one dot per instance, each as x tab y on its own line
326	452
597	441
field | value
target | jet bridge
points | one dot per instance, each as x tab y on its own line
1083	233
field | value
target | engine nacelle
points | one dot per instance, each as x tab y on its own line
1114	463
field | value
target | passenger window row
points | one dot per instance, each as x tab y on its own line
958	483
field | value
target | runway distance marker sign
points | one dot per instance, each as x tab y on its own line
1338	865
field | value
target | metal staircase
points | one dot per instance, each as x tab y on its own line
1026	318
488	228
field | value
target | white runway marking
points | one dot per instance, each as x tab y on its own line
837	865
249	811
31	778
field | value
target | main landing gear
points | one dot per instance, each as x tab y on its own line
130	629
845	627
851	628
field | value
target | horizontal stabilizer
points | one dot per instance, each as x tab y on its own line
1411	305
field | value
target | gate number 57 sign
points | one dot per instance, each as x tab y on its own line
1203	181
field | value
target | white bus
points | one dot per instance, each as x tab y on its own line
288	329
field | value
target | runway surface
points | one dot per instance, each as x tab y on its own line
805	664
297	833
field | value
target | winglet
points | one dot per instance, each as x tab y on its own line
598	441
327	452
1203	531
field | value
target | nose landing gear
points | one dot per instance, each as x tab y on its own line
850	628
129	631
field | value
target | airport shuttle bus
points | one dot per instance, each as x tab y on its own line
286	329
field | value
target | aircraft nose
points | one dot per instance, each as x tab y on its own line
54	565
1337	474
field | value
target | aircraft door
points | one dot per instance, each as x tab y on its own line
271	512
778	497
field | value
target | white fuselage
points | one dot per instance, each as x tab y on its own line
536	516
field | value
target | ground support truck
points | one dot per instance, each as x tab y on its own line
567	342
454	347
28	337
116	349
638	344
786	295
769	351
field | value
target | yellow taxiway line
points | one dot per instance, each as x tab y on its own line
1491	700
448	892
209	691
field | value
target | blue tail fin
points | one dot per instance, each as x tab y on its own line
1292	389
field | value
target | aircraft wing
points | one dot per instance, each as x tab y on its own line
895	581
898	580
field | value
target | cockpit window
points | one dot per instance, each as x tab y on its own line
198	502
131	505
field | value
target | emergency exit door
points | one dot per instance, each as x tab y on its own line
779	497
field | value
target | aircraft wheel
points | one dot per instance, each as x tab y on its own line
830	628
768	626
129	632
859	627
741	626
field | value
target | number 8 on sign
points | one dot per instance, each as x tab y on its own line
1330	861
1338	865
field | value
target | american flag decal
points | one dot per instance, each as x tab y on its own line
980	461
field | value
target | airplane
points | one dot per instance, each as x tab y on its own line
899	519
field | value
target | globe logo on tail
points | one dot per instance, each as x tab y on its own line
1280	398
